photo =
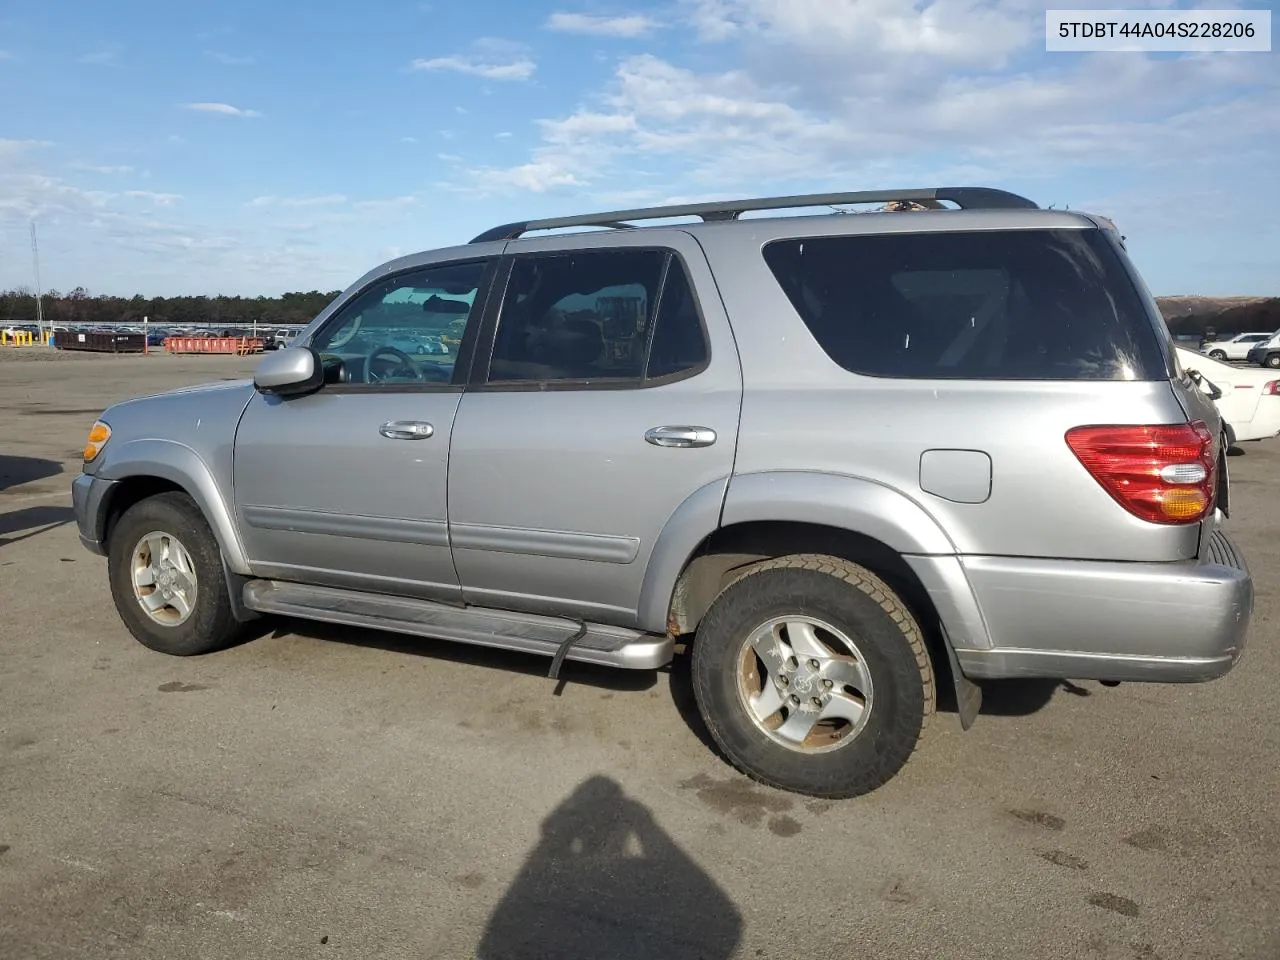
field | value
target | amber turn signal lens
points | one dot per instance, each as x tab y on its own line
99	434
1183	504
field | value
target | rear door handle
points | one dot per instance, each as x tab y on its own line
680	436
406	430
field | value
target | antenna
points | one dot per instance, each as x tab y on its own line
35	257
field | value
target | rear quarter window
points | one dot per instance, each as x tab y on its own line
1001	305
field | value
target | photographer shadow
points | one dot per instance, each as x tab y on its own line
606	881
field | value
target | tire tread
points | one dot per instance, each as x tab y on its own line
212	625
880	593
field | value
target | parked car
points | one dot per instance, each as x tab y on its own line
1236	348
418	344
843	458
1247	399
1266	353
434	344
276	339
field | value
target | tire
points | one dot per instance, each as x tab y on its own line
1272	360
209	622
1217	355
889	646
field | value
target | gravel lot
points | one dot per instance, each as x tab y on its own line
331	793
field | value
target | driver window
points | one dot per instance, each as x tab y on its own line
403	330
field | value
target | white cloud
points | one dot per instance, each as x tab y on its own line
408	139
6	55
225	109
12	148
449	157
229	60
637	197
122	243
960	31
521	69
324	200
100	58
581	125
894	120
105	169
538	176
28	195
389	205
159	199
204	36
630	26
504	135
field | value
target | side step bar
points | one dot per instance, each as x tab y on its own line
524	632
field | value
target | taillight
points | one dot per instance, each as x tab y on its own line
1164	473
1271	388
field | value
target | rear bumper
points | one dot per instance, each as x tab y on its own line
1159	622
89	497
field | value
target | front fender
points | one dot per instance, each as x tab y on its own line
181	465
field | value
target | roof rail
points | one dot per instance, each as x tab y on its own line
967	198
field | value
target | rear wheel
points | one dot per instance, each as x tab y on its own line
812	676
166	577
1273	360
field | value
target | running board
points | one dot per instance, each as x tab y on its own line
524	632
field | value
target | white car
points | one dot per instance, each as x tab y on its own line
1237	348
1247	398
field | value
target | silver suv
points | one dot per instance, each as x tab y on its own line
843	457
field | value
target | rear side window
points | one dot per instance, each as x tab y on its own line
1010	305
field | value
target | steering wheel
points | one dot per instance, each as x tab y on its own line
406	363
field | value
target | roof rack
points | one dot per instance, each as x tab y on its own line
967	198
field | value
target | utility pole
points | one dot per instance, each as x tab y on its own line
35	257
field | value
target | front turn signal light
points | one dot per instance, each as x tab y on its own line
99	434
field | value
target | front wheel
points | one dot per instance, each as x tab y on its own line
166	577
1273	361
812	676
1217	355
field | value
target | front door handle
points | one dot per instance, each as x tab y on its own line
406	430
681	436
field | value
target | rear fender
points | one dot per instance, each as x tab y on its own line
855	504
860	506
851	503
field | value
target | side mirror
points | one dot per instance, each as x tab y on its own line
289	372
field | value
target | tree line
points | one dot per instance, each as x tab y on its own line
81	307
1262	316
